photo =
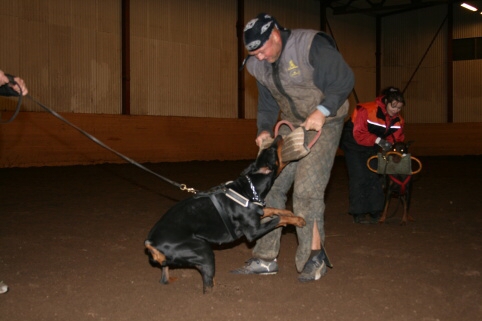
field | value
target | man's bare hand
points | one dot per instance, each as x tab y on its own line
315	121
262	136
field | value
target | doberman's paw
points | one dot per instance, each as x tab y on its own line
300	222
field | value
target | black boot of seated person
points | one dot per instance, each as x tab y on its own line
374	217
360	219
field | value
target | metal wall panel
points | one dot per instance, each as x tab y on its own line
355	37
184	63
67	51
467	84
183	58
467	24
412	62
467	91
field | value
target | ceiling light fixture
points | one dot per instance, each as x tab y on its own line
468	6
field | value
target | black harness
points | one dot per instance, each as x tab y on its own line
234	196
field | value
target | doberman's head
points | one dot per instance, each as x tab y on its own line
266	167
399	149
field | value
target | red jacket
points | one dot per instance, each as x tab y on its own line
371	120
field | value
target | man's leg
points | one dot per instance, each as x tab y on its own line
312	177
267	247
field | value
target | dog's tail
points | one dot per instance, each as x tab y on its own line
160	258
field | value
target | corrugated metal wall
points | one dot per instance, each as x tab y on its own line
68	52
468	73
184	55
183	58
355	37
406	38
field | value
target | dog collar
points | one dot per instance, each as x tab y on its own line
256	198
242	200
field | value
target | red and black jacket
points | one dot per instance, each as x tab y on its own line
371	120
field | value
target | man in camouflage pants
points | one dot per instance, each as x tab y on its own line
301	75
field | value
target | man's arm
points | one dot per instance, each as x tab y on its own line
331	74
268	110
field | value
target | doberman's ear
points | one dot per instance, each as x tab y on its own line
410	142
249	169
263	170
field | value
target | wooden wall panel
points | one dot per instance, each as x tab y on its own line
39	139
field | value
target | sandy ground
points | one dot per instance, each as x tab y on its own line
71	248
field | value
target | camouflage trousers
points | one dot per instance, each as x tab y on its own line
309	177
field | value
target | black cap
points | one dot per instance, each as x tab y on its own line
258	30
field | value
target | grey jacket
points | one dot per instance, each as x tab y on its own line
309	72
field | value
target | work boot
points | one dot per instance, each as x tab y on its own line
375	217
315	268
258	266
360	219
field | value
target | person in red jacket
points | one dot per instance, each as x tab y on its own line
372	125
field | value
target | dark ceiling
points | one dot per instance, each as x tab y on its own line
380	7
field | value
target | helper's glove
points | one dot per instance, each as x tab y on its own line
386	146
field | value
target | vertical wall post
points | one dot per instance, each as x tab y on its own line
323	23
450	65
241	85
126	66
378	55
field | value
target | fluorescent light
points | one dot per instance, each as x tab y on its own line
468	6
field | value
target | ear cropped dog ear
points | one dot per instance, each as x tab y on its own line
249	169
264	170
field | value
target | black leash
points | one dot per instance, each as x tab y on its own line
182	187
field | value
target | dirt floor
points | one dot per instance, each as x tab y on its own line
71	248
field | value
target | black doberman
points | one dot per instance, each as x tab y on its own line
398	186
184	234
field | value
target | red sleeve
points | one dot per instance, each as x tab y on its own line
360	129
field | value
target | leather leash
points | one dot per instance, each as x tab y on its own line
182	187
